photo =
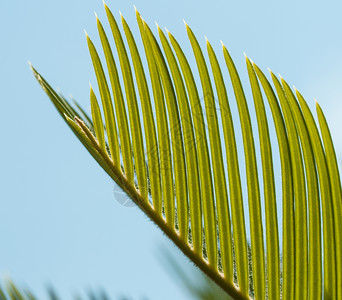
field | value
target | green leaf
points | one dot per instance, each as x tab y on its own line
189	196
223	215
336	191
326	200
98	123
150	130
315	256
207	200
106	104
301	239
163	148
257	243
125	143
272	239
238	220
137	142
189	147
176	138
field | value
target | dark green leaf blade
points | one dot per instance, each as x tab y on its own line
208	205
326	200
121	115
301	236
315	257
106	103
163	147
189	147
133	110
150	130
335	183
287	193
98	123
272	238
176	136
257	243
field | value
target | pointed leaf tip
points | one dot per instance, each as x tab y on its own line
137	14
86	33
248	59
66	117
31	66
157	25
185	23
272	74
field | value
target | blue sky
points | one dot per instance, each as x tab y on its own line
59	220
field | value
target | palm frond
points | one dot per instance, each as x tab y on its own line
172	165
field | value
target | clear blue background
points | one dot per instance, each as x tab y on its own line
59	221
